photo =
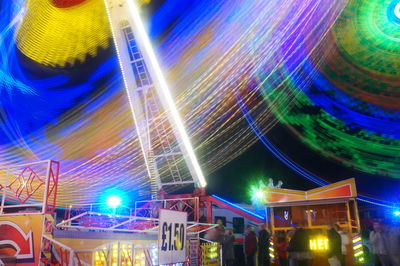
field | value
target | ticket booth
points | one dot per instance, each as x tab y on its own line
315	210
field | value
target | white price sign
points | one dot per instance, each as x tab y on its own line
172	237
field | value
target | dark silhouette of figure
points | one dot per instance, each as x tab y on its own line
250	246
263	245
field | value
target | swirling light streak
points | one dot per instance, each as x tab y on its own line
294	166
209	54
351	112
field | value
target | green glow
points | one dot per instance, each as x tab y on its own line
361	58
258	192
367	37
329	136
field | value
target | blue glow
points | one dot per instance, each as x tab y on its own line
396	213
345	107
283	220
238	207
393	12
169	12
113	201
278	154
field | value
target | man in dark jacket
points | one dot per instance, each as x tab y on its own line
250	246
228	253
299	251
263	245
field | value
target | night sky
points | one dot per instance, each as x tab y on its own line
233	181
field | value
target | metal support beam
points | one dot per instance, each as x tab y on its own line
163	138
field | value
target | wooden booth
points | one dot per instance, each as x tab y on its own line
315	210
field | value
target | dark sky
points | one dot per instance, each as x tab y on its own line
233	180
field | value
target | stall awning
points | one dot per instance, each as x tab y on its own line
333	193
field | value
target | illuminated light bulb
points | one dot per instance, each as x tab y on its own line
259	194
394	12
113	201
397	10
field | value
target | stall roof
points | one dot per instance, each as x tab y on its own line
333	193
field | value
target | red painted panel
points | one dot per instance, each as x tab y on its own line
66	3
340	192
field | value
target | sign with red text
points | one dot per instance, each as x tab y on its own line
172	237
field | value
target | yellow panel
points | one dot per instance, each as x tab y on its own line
56	36
320	243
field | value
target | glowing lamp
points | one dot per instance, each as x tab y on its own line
397	10
394	12
259	194
113	201
396	213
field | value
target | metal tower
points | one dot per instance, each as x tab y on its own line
164	142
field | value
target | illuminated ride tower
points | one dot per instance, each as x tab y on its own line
167	151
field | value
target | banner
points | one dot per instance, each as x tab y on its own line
172	237
20	238
194	252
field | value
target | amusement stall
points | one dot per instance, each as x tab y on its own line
315	210
34	230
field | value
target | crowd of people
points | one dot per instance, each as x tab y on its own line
254	248
384	240
294	248
299	247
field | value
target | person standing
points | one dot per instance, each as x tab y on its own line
228	252
263	245
394	244
250	246
378	240
220	230
299	248
281	248
334	253
344	237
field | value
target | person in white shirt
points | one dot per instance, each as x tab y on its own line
378	239
345	242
